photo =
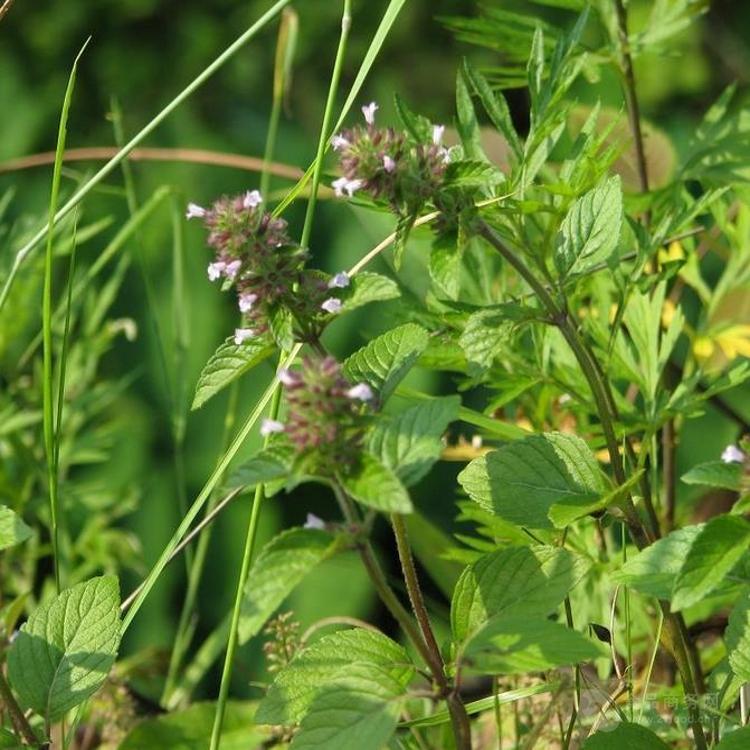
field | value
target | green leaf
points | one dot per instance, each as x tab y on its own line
728	476
446	262
64	652
228	363
737	739
522	480
375	485
568	511
514	581
625	736
281	325
717	548
12	528
279	569
384	362
518	644
324	662
653	571
410	443
365	288
466	122
360	709
737	637
485	334
191	729
271	463
591	230
495	105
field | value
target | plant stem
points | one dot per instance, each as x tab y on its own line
346	22
247	558
677	638
17	718
459	717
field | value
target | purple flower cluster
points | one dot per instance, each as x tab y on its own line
325	416
388	165
255	255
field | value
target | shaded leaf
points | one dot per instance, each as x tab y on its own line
728	476
367	287
737	637
12	528
65	650
375	485
625	736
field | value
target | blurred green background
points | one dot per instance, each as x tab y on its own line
143	52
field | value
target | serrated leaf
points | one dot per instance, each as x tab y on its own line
404	225
625	736
375	485
590	231
65	650
384	362
737	637
714	552
654	569
446	260
522	480
271	463
495	105
568	511
229	362
410	442
325	661
279	569
367	287
281	325
191	729
360	709
484	335
518	645
512	582
466	121
12	528
728	476
472	173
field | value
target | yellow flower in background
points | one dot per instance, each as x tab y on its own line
673	253
734	341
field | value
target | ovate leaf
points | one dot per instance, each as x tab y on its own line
625	736
654	570
387	359
591	230
64	652
271	463
360	709
518	645
522	480
228	363
367	287
280	567
715	551
325	662
511	582
375	485
12	528
410	443
191	729
728	476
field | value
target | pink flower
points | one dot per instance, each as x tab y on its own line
344	186
247	300
286	378
732	455
313	522
437	134
194	211
270	426
338	142
369	111
252	199
232	269
215	270
340	281
389	164
361	392
241	335
332	305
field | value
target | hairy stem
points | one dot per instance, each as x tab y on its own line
17	718
459	717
